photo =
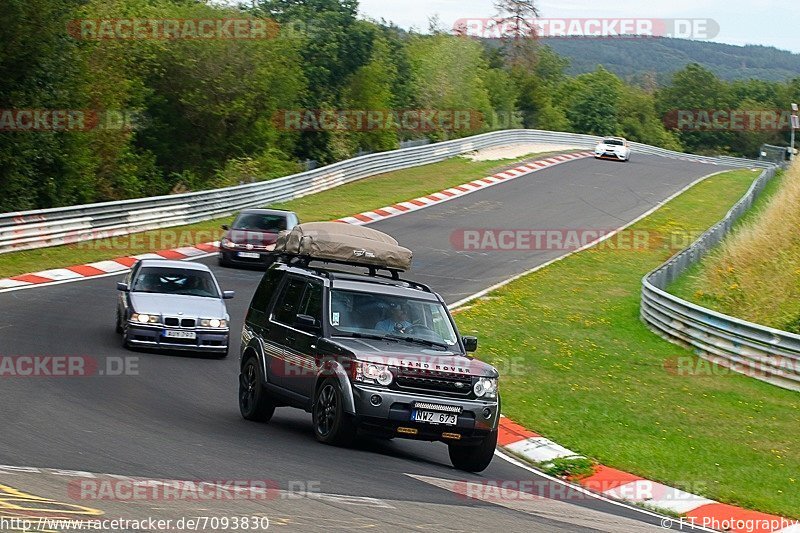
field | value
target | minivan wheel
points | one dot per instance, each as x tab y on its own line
331	424
254	402
474	458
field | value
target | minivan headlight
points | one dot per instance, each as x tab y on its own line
486	388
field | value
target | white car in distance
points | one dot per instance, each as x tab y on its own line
613	148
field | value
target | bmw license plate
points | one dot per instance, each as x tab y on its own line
180	334
249	255
434	417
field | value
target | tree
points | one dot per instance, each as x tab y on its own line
370	89
591	102
516	21
694	89
638	120
448	74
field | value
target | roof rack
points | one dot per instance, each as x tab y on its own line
372	274
305	261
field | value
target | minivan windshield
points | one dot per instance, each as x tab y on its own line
354	314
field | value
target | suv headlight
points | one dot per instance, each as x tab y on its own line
143	318
226	243
213	323
486	388
372	373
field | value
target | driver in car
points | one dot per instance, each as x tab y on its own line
398	319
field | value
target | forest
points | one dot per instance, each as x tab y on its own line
89	114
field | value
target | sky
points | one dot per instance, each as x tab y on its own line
766	22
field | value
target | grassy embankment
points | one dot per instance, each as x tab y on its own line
755	273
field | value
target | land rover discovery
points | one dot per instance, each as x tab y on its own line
364	352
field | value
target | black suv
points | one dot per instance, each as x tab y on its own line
364	353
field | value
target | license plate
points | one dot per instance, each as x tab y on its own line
434	417
180	334
249	255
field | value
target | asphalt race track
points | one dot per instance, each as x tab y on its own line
178	418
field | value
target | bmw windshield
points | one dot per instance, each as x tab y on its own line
162	280
360	314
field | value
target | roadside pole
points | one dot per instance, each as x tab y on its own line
795	125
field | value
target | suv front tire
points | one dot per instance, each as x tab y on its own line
474	458
332	425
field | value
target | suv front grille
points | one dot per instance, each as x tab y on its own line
442	383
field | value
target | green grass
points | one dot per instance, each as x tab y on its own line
582	369
363	195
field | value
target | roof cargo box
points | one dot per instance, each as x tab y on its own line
344	243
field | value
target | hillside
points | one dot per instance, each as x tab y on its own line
631	58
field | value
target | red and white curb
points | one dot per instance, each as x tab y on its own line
108	267
619	485
122	264
422	202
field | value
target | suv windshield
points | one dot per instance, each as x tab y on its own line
259	222
161	280
360	313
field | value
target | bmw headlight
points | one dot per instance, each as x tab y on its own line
486	388
213	323
143	318
373	374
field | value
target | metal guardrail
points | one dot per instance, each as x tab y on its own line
52	227
768	354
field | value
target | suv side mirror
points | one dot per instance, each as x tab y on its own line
228	295
306	321
470	343
123	287
226	227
